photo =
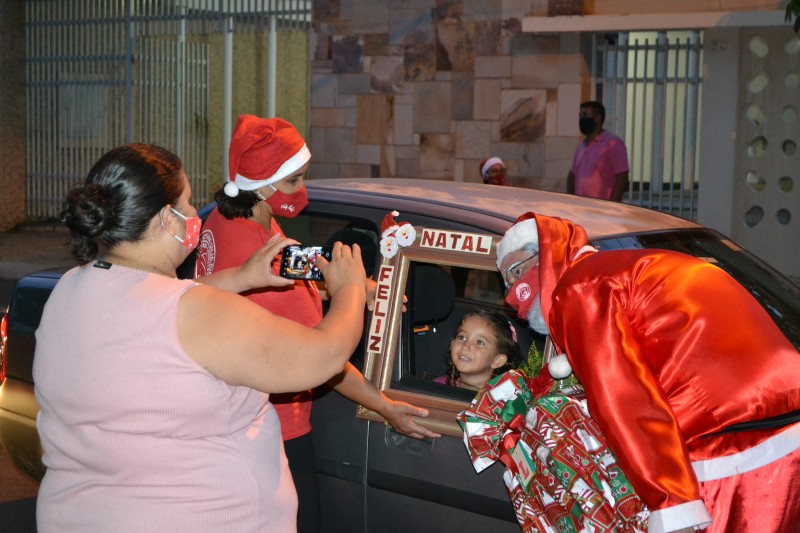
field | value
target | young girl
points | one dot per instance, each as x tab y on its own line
484	345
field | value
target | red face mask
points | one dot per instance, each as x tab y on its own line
288	205
497	179
192	236
523	293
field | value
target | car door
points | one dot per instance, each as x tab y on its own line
418	485
371	477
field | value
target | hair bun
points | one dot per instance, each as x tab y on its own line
90	210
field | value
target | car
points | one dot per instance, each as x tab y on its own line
371	477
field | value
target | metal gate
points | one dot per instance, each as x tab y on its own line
101	74
650	83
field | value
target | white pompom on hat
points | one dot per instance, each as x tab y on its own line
523	232
263	151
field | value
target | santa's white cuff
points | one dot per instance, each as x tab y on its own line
772	449
690	514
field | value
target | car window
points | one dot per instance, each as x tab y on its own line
776	294
27	307
439	295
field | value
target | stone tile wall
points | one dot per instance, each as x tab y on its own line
429	88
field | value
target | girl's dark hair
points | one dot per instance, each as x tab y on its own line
240	206
505	337
124	190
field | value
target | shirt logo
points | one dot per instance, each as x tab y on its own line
206	255
523	291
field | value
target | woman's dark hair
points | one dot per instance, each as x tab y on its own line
240	206
124	190
505	337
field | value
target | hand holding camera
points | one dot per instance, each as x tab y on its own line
344	268
256	272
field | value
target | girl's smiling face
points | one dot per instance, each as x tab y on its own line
474	351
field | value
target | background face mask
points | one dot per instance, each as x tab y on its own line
586	125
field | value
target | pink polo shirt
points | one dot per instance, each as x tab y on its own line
596	165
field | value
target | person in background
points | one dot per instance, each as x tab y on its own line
153	390
600	164
694	386
493	171
485	345
268	159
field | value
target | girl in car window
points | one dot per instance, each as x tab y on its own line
485	345
268	159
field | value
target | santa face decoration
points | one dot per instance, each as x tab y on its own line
394	235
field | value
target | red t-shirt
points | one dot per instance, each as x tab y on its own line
228	243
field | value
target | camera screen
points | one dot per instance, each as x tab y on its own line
300	262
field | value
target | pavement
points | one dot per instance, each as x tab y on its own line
32	247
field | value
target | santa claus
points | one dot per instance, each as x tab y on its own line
694	386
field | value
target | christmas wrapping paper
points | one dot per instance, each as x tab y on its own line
560	474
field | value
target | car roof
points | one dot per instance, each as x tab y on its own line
495	207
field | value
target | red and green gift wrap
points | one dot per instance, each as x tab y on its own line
560	474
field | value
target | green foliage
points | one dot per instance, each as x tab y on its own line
534	364
530	367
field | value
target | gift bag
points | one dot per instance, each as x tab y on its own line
560	474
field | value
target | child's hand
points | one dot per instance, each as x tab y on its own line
399	416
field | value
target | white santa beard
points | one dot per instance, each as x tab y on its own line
536	318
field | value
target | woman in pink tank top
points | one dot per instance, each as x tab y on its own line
153	390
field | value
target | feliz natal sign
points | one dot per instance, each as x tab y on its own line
456	241
378	325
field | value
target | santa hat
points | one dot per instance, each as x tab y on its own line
523	232
488	163
389	224
263	151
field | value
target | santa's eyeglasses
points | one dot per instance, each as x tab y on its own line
516	270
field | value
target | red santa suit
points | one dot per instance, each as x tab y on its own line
673	354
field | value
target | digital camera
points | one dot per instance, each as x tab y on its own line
299	261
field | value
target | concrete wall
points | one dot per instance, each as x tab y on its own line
12	111
250	51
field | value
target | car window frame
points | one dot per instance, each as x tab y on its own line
392	278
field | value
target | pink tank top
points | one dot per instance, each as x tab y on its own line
136	435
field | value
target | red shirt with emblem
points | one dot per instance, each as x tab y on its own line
229	243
